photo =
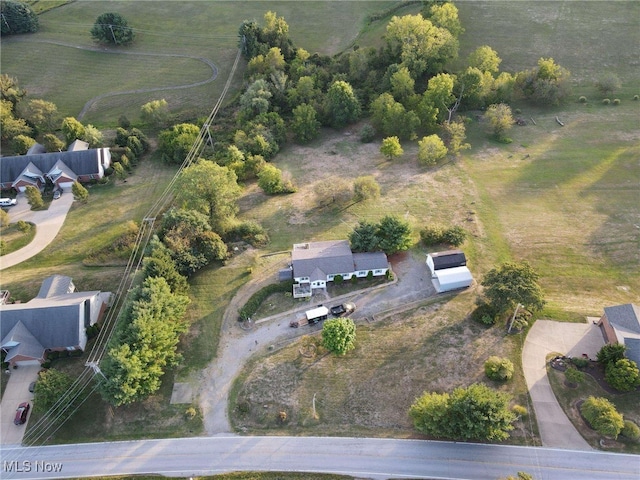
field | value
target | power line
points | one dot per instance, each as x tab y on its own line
77	394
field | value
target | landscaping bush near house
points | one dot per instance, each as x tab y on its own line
630	430
252	305
499	369
573	376
623	375
580	362
485	314
610	353
602	416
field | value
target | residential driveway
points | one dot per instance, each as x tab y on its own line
17	391
48	224
571	339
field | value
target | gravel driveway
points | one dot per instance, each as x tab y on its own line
412	286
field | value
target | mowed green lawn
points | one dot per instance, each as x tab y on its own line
70	77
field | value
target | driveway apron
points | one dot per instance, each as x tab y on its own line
571	339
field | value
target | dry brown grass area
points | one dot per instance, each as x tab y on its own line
371	388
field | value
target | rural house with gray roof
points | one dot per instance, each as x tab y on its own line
79	163
313	264
621	324
55	320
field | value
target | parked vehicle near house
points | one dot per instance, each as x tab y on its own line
7	202
311	317
343	309
22	412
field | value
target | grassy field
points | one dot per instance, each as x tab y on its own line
68	76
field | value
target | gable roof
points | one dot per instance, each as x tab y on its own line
82	162
370	261
625	317
332	257
448	259
20	341
56	285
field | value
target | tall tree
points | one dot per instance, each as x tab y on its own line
485	59
50	387
364	237
548	84
473	413
175	144
112	28
158	263
34	197
339	335
209	189
391	147
500	119
341	104
41	114
72	130
188	236
419	45
431	149
79	192
10	126
305	124
155	112
17	17
511	284
394	235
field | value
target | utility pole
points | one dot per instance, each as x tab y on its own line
513	318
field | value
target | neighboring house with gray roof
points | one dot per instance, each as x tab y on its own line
621	324
55	320
78	163
314	264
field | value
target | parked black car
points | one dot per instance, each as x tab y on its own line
343	309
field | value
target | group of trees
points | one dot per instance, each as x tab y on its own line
620	372
473	413
147	333
390	235
17	17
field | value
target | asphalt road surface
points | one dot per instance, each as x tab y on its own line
358	457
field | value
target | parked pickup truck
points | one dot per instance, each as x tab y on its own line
311	316
343	309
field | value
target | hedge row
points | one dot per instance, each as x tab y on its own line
252	305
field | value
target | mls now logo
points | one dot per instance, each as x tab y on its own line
27	466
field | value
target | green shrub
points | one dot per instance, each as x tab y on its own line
354	279
602	416
23	226
623	375
454	236
582	99
248	231
580	362
636	98
616	101
367	133
610	353
370	275
431	235
484	314
606	101
499	369
574	376
520	411
630	430
338	279
3	246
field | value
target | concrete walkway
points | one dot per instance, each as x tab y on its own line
48	224
571	339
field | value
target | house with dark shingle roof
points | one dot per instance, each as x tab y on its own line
55	320
621	324
316	263
78	163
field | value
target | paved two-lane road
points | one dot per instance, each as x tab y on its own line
358	457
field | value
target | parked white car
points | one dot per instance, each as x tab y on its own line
7	202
